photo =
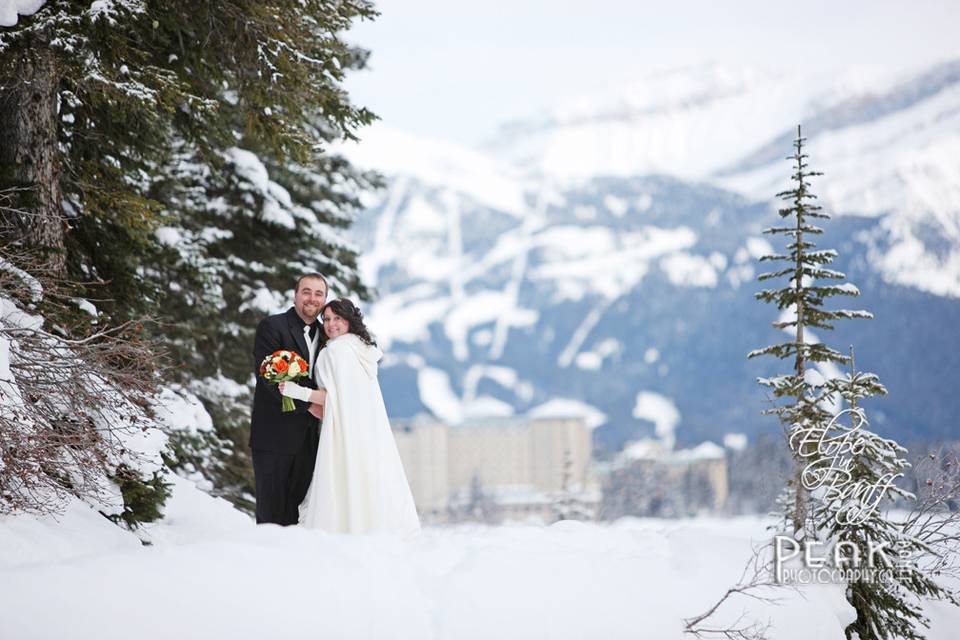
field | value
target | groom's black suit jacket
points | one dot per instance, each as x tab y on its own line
271	429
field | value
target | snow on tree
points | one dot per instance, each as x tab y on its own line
801	300
252	198
169	160
845	476
75	418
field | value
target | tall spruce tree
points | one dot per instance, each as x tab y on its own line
182	173
801	303
855	479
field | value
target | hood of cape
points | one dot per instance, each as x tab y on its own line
368	355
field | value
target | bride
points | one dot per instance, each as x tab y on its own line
358	483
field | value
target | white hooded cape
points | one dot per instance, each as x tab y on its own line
359	484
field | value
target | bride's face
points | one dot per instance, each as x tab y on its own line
334	325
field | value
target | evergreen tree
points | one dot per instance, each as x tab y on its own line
640	488
854	475
185	174
567	504
81	124
254	199
802	300
479	505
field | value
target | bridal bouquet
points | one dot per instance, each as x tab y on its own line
284	366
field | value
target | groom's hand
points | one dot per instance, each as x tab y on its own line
316	410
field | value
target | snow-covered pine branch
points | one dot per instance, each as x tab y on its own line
804	298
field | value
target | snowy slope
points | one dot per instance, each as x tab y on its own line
888	146
211	573
687	123
894	153
690	122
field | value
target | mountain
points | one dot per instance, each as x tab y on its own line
888	146
600	259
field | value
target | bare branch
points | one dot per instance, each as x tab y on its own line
756	577
68	403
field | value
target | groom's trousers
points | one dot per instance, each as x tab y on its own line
282	481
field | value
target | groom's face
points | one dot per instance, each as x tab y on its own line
309	298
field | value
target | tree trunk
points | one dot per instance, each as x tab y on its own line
29	158
802	501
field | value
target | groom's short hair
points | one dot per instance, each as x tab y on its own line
311	275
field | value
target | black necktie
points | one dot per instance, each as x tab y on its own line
313	331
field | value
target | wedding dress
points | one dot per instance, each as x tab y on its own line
359	484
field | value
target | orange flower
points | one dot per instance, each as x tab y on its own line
281	366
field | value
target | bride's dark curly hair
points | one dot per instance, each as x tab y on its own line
344	308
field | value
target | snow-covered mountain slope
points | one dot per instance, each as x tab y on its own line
507	286
691	122
687	123
893	153
475	174
888	146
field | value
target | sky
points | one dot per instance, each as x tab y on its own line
457	70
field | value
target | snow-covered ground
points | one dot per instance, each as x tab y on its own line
211	573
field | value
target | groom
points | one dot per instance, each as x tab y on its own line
284	445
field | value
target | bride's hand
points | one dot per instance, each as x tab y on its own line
295	391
